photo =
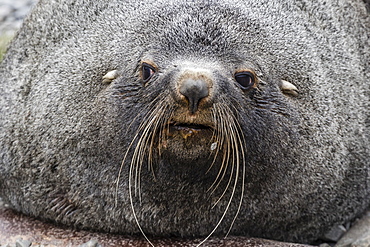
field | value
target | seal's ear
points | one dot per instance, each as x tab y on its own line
110	76
288	88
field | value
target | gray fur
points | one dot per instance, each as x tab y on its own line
64	133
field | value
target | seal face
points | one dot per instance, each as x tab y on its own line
188	119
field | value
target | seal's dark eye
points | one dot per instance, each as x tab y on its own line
245	79
147	71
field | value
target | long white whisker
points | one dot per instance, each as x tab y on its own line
238	142
121	167
134	212
137	158
143	138
154	118
235	144
148	108
226	209
219	140
226	156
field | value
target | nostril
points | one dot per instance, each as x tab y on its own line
194	91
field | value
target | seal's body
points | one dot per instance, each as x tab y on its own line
189	118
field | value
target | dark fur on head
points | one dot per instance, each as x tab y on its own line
255	162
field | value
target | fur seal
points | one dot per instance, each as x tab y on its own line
189	119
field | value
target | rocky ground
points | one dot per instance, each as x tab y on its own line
17	230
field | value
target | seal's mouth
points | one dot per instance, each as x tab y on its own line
187	130
189	144
185	126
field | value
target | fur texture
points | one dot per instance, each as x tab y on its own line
305	160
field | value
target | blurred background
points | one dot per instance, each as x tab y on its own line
12	13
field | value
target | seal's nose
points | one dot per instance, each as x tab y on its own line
194	90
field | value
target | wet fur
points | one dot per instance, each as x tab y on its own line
90	154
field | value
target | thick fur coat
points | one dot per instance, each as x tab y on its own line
96	155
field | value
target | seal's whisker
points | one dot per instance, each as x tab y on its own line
223	132
242	158
215	135
134	212
121	167
148	108
220	127
229	181
235	142
235	164
151	149
146	142
163	114
138	162
227	136
163	129
230	151
238	142
222	171
139	154
151	105
152	140
137	158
